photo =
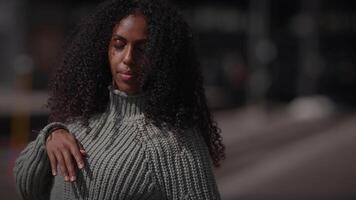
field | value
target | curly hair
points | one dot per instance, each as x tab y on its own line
172	77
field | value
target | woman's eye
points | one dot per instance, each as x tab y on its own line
119	46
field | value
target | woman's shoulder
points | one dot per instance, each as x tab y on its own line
174	141
76	124
176	149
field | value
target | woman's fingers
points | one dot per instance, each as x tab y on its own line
69	164
81	148
65	150
53	162
62	165
83	152
77	156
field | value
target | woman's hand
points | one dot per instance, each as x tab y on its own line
64	149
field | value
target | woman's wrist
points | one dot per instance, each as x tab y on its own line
51	127
51	130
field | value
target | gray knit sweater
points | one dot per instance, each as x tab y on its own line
128	158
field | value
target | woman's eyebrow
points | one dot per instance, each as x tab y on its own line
119	37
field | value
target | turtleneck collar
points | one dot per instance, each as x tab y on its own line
125	105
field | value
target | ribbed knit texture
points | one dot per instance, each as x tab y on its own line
128	158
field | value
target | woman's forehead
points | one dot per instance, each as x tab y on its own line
134	25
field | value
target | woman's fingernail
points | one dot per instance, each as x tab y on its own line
80	165
54	173
66	178
72	178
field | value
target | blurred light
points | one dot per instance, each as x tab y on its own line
312	107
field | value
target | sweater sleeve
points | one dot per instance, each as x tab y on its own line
32	169
183	168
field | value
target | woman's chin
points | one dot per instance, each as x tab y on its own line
129	89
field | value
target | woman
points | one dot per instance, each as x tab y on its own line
128	111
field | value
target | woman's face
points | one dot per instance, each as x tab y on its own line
126	53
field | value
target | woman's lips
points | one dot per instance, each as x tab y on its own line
126	77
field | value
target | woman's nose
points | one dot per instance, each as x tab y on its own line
128	58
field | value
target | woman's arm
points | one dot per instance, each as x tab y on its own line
32	168
53	147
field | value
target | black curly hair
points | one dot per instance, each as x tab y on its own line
174	83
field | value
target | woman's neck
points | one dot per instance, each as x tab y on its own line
126	105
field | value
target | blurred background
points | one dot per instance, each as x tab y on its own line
280	77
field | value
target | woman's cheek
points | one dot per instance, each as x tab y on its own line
114	58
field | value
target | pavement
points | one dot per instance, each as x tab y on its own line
273	155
